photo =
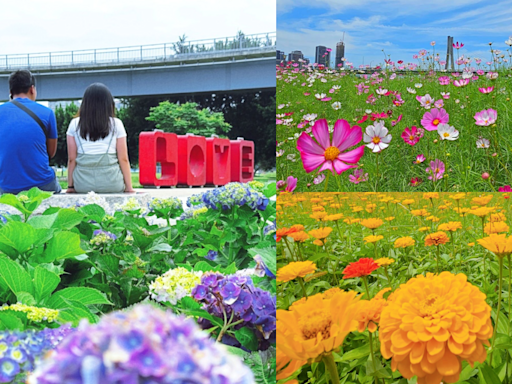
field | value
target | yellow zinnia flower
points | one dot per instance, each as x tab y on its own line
423	229
451	226
297	227
295	269
316	327
385	261
320	233
299	236
408	202
482	200
482	212
436	238
286	366
372	239
404	242
357	209
419	212
318	215
496	227
430	195
497	217
433	219
458	196
500	245
432	323
335	217
390	218
372	223
318	208
370	311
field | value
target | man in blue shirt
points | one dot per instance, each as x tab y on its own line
25	149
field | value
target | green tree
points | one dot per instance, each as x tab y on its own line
187	118
63	117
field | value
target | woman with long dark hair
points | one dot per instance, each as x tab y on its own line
97	151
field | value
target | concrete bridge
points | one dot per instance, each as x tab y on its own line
241	63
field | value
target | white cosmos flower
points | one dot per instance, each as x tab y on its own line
411	90
425	101
418	85
368	111
482	143
280	153
310	117
447	132
377	137
467	75
336	105
381	91
320	95
336	87
509	41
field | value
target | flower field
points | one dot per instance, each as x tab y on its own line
394	288
152	292
405	127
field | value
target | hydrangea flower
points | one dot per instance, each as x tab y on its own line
100	237
132	206
174	285
169	207
19	351
94	198
236	298
229	196
33	313
143	345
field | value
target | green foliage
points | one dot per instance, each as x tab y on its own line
63	115
187	118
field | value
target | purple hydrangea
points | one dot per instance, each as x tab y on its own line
237	298
143	345
230	195
106	233
19	351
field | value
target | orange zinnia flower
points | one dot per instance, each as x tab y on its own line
299	236
362	267
283	232
372	223
500	245
436	238
404	242
496	227
431	324
451	226
369	314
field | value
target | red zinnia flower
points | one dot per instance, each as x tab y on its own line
362	267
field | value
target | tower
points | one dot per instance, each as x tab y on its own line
340	54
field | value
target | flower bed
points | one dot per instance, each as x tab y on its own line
137	279
394	288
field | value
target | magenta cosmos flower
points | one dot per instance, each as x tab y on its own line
506	188
412	135
328	154
358	177
433	118
436	170
486	117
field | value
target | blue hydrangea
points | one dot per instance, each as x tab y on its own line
19	351
143	345
229	196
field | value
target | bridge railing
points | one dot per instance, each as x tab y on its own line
155	52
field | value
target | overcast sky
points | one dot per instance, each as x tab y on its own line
34	26
399	27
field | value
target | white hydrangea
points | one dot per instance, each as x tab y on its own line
174	285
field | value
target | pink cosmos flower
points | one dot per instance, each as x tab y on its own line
410	135
457	46
445	95
291	184
307	93
480	72
420	159
415	181
279	121
461	82
444	80
377	137
358	176
326	99
433	118
506	188
317	180
436	170
327	153
486	117
439	104
395	122
486	90
425	101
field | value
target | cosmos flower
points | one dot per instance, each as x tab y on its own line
433	118
425	101
415	181
447	132
377	137
420	159
461	83
328	154
445	95
436	170
506	188
411	135
457	45
358	176
486	90
482	143
429	326
336	105
486	117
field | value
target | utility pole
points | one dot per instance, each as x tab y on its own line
449	53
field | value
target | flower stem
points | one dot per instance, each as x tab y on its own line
289	250
366	286
330	366
437	259
498	311
326	182
373	357
377	173
387	276
301	282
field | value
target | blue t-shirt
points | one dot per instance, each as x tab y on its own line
24	159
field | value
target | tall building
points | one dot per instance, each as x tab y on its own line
295	56
322	56
340	53
280	57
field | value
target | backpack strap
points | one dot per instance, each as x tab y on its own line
31	114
